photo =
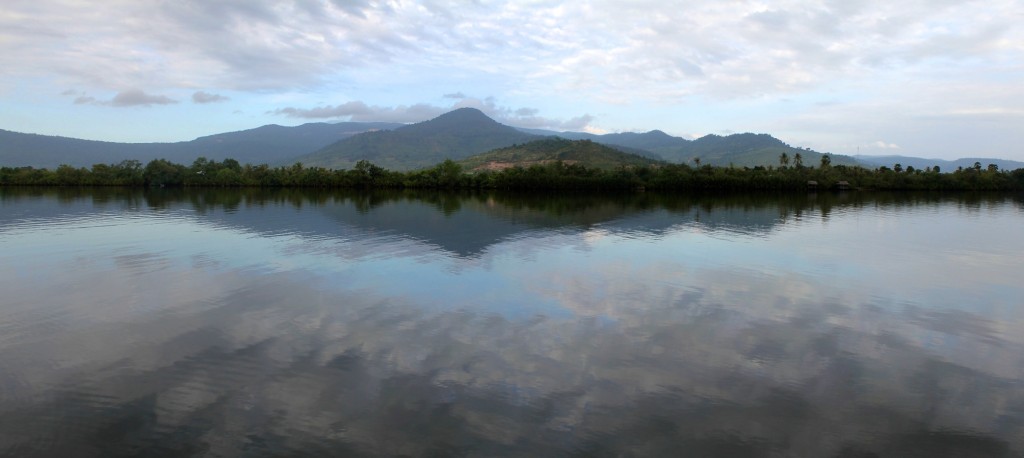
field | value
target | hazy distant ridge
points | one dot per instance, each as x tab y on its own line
741	150
944	165
266	144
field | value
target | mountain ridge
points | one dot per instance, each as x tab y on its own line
743	149
945	165
264	144
455	135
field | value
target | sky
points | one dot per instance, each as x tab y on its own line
928	78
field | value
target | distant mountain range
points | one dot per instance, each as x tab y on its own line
944	165
456	135
266	144
741	150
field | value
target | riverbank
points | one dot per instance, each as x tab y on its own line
551	176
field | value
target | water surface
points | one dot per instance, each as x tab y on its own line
258	323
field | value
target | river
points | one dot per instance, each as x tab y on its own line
339	323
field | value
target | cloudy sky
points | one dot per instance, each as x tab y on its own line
931	78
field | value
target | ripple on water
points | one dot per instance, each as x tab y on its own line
317	329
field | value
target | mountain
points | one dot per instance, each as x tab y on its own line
266	144
454	135
747	150
273	143
18	150
654	141
944	165
737	149
583	152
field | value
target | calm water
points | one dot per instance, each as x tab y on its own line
289	323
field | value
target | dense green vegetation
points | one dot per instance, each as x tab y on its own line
588	153
552	175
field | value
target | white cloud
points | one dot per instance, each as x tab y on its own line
620	61
360	111
524	117
205	97
735	48
884	145
987	111
135	97
129	98
622	50
86	100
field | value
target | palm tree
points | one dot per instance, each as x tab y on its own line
798	160
783	159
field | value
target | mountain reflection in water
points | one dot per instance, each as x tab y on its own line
255	323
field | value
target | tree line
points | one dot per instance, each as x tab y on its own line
204	172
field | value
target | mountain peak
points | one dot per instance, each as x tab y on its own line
465	111
464	115
454	135
460	121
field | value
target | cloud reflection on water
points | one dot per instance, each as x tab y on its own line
629	344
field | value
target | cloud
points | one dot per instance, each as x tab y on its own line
205	97
245	45
641	49
524	117
129	98
361	112
702	65
136	98
338	111
884	145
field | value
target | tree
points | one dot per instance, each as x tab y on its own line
898	167
798	160
161	172
68	175
366	172
227	177
232	164
447	173
128	172
102	174
783	159
826	161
